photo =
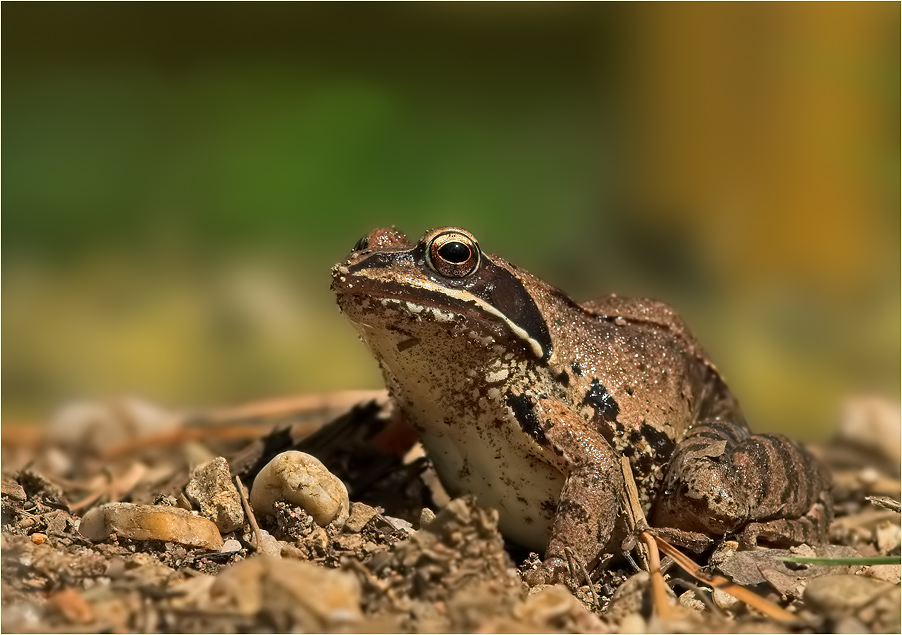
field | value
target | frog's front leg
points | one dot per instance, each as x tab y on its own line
590	499
722	479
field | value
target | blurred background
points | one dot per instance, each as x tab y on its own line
179	178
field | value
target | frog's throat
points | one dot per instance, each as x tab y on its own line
465	298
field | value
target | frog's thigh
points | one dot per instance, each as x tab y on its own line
722	478
590	498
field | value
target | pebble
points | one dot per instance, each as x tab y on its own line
723	599
628	598
230	546
359	516
874	602
212	490
38	539
633	623
12	489
891	573
302	480
873	423
426	516
690	601
73	605
399	524
150	522
299	596
271	546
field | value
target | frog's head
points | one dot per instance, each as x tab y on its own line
442	297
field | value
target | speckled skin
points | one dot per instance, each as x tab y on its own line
528	400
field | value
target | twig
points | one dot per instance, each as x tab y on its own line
576	562
298	404
635	517
236	432
636	523
258	537
885	502
658	588
719	582
222	422
116	487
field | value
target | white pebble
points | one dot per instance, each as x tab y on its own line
270	546
230	546
300	479
723	599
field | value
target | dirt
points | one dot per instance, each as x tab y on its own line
408	559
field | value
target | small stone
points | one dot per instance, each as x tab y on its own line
150	522
73	606
359	516
230	546
723	599
849	624
887	536
271	546
873	423
212	490
891	573
547	605
296	595
318	540
38	539
689	600
723	552
874	602
426	516
302	480
399	524
868	476
633	623
628	599
12	489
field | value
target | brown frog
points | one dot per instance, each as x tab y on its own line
528	400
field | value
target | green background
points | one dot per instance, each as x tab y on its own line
179	178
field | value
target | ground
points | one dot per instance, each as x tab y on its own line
408	559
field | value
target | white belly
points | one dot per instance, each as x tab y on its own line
500	465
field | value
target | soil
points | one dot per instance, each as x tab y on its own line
408	559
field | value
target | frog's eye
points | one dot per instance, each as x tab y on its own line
362	244
454	254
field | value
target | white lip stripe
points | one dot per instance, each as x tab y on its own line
468	297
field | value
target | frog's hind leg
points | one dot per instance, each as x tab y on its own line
722	479
810	528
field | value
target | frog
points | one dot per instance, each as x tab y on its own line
530	402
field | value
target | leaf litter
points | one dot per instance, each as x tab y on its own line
102	517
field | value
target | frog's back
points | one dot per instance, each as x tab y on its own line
712	396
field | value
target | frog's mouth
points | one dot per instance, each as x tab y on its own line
423	299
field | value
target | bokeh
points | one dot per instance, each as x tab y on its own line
179	178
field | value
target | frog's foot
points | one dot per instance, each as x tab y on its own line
782	532
551	571
722	478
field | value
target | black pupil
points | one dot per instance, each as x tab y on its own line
455	252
